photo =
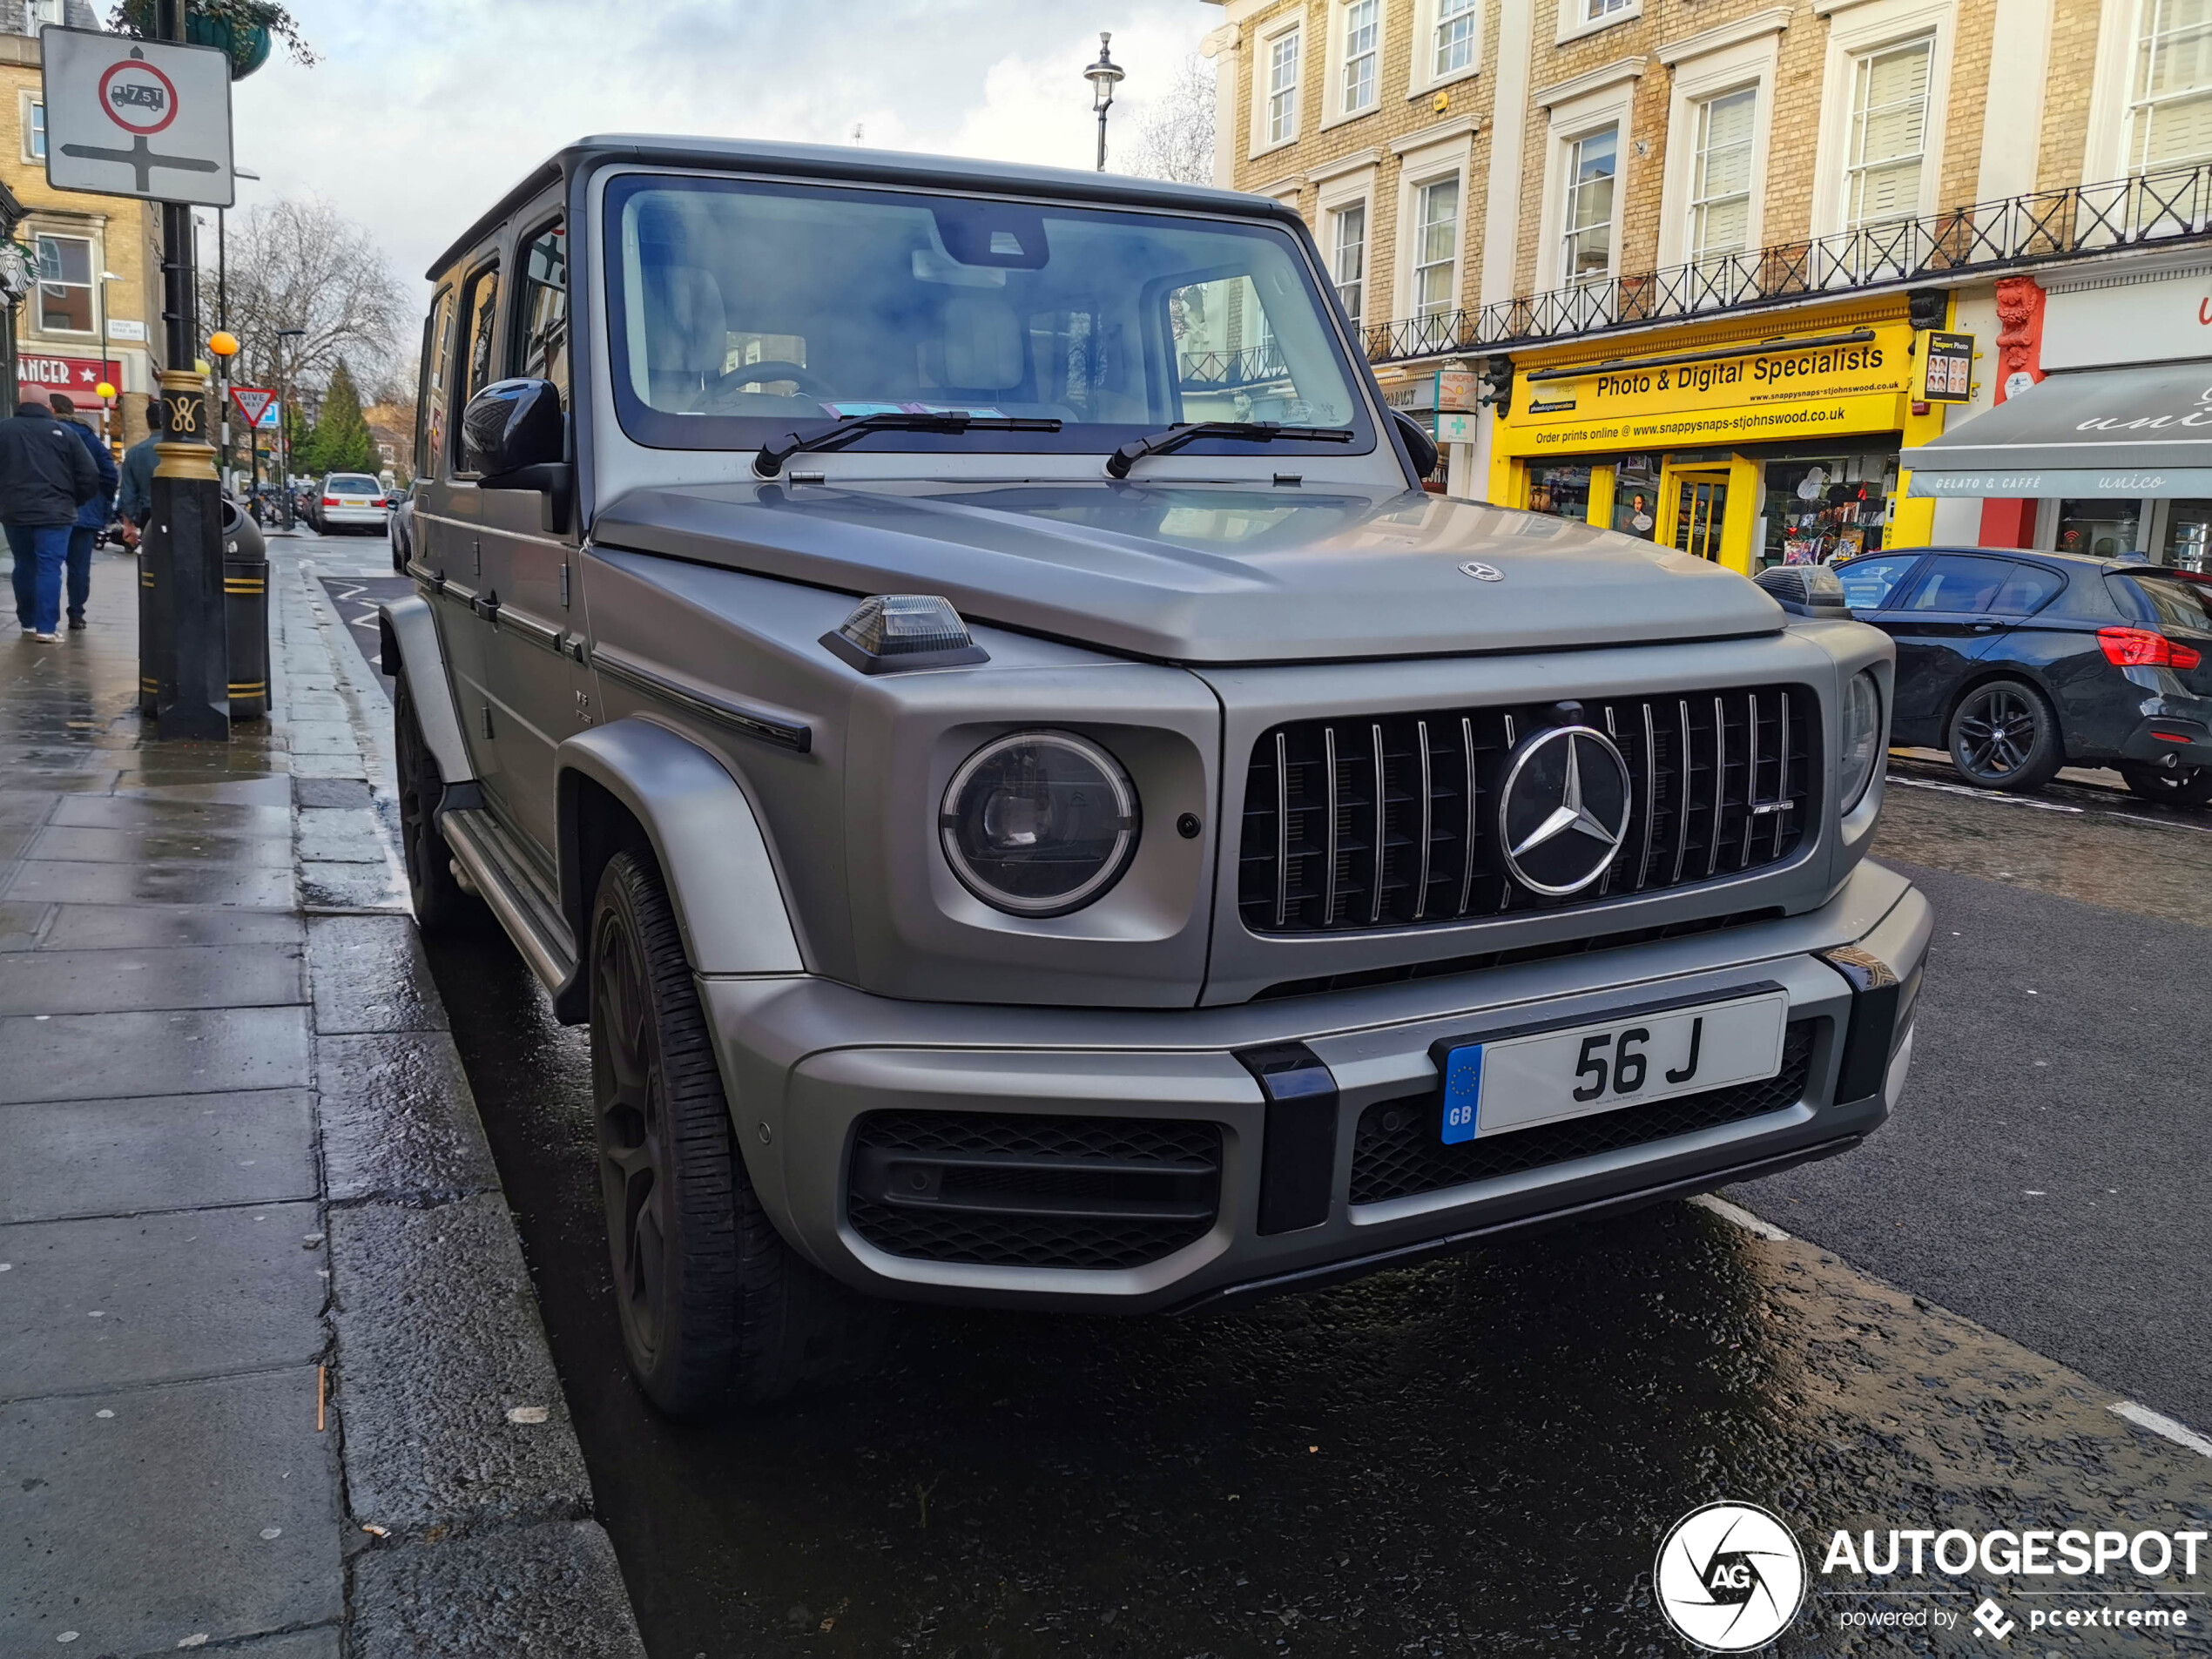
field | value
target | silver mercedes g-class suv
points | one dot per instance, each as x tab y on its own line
950	669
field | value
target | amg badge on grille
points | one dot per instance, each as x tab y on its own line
1563	810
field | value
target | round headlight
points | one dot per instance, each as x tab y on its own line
1862	748
1039	823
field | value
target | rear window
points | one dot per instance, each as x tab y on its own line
2171	602
354	483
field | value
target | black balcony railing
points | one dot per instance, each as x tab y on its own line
2175	206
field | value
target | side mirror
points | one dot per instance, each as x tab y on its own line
1419	444
511	425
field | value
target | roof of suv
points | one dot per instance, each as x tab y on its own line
856	165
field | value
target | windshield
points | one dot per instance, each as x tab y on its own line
740	308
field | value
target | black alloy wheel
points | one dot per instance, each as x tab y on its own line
2168	785
2004	735
715	1308
441	905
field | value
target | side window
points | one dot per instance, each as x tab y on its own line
2025	589
430	394
1959	583
1869	583
542	318
478	310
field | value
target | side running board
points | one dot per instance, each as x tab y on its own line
501	871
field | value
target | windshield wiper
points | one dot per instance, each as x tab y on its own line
770	460
1161	444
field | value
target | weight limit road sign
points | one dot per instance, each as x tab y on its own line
138	118
253	401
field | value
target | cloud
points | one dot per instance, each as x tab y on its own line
422	114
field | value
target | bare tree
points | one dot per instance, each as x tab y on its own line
1175	130
297	262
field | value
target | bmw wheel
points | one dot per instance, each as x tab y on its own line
2004	735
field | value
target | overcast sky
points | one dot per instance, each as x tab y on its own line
421	113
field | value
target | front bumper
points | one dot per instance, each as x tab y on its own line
805	1060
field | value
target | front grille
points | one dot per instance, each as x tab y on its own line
1390	820
1400	1149
1011	1190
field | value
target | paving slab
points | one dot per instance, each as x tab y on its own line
77	882
275	790
19	923
438	1339
141	812
103	1056
398	1121
555	1588
349	764
94	982
236	1500
332	792
110	1158
369	974
127	927
181	844
351	887
115	1301
321	737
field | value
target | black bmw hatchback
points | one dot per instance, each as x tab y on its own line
2020	663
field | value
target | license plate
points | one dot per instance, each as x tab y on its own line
1518	1083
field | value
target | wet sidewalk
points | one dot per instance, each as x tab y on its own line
272	1377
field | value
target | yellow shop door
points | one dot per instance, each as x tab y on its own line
1701	509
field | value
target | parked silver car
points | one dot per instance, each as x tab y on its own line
948	669
347	501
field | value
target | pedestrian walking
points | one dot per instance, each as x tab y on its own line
134	501
92	517
44	477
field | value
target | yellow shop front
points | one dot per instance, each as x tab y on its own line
1752	449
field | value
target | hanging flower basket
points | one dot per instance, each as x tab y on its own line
245	31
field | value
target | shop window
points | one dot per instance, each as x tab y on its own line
1720	192
1587	252
1282	88
2100	528
1635	497
1436	247
2169	92
1827	506
1560	491
1362	54
1456	22
65	285
1869	583
1349	258
2189	536
1889	132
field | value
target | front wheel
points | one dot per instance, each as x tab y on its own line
442	905
2004	736
2168	786
715	1308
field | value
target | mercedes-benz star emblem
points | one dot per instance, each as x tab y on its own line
1564	809
1483	572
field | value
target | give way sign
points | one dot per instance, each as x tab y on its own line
126	117
251	401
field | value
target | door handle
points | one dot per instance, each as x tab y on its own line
1985	627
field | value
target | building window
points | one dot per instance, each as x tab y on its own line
1282	88
1362	41
1889	133
1436	247
1587	249
1349	260
2169	98
1598	11
1720	184
65	285
1455	25
34	130
47	11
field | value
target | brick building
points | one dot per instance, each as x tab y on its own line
1726	250
97	260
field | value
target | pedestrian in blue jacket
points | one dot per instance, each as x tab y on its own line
91	517
44	477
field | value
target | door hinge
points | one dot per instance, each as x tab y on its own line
476	547
484	719
564	585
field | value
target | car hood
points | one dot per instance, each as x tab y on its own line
1209	574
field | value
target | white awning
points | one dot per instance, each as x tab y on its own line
2094	432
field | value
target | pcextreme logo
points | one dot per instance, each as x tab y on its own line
1730	1577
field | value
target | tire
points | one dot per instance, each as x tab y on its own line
2005	735
442	907
2181	786
715	1310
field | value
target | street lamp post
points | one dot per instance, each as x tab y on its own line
1102	75
284	422
106	435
